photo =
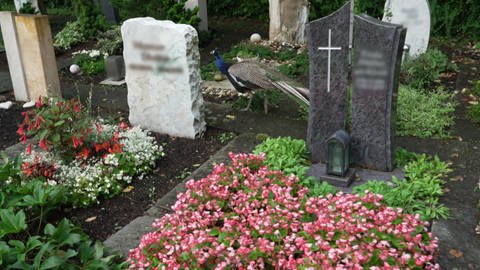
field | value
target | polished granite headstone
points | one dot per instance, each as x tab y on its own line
376	66
328	40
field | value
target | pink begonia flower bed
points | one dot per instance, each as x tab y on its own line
245	216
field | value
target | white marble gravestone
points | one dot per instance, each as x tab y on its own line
413	15
202	12
163	76
288	20
14	58
19	4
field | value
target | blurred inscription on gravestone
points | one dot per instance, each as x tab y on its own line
163	76
376	66
328	40
413	15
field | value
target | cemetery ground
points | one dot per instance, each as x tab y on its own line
459	244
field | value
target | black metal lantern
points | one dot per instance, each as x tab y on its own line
338	153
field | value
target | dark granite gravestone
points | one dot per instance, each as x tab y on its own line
108	10
378	48
328	40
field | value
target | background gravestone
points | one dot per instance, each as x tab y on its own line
38	56
14	58
413	15
202	12
376	65
19	4
288	19
328	52
163	76
108	10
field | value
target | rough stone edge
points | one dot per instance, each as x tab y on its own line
129	236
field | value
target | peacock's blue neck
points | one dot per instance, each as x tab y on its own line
221	65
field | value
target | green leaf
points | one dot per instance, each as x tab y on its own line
11	222
59	123
52	262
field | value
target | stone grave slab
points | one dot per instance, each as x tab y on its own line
328	50
162	64
376	66
413	15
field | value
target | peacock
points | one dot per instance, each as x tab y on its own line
249	76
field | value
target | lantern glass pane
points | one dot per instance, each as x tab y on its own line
335	162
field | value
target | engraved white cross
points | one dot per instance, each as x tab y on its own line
329	49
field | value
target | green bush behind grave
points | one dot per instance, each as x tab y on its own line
424	114
450	18
159	9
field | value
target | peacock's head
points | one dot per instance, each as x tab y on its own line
215	53
221	65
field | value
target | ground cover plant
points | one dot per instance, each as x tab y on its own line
424	114
89	158
91	62
417	193
245	215
28	241
474	108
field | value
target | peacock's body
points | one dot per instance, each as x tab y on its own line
249	76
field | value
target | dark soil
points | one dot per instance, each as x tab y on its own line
182	156
9	121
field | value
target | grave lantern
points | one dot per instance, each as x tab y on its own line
338	153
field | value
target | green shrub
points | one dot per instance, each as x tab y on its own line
245	9
110	41
423	114
419	191
89	17
424	71
92	62
69	36
474	109
159	9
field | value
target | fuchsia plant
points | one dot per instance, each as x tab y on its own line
245	216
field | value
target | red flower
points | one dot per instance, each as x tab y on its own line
115	149
39	104
20	130
115	137
76	142
27	169
123	125
23	138
99	128
76	108
98	147
26	120
43	144
28	150
84	153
